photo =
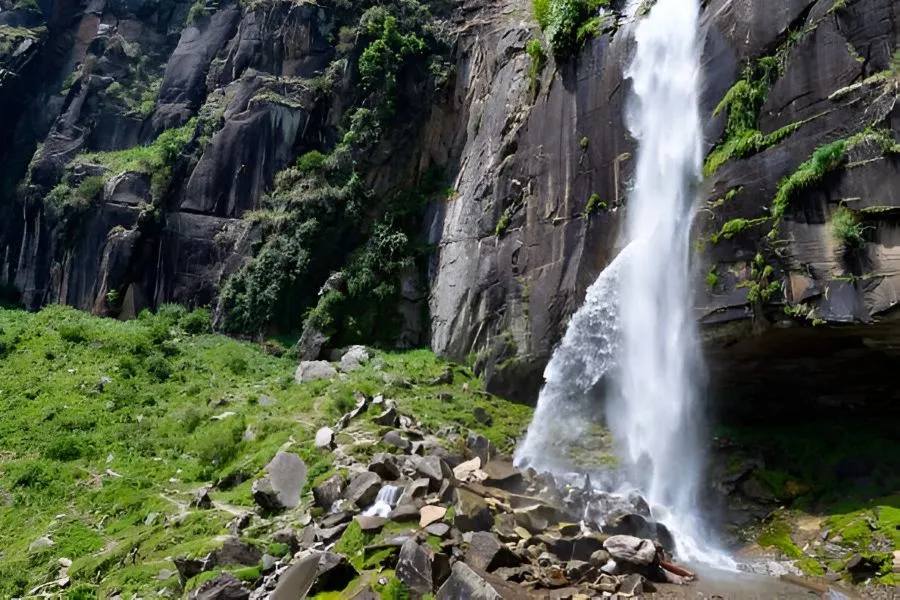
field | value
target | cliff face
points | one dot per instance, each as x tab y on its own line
796	226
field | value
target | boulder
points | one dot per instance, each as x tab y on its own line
363	489
503	475
354	358
485	552
324	437
466	470
328	492
438	529
482	416
296	581
404	512
367	523
385	466
201	499
288	537
234	552
473	584
472	513
284	480
415	490
599	558
388	418
224	586
635	585
433	468
431	514
333	574
335	519
480	446
40	544
414	568
631	550
311	370
393	438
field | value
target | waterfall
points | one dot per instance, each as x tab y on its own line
635	333
387	499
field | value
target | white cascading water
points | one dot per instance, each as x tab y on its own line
635	331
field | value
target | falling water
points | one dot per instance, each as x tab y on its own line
387	499
635	334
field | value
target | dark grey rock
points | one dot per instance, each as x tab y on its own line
414	567
328	492
362	489
385	466
472	513
223	587
394	438
485	552
284	480
631	550
466	582
434	469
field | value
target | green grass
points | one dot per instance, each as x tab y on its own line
846	228
535	50
82	397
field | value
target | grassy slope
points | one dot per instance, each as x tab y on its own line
86	461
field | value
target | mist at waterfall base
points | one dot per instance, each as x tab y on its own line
634	341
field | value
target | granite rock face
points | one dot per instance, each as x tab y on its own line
515	249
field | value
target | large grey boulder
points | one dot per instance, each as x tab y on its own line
487	553
284	480
328	492
225	586
631	550
312	370
474	584
414	567
354	358
363	489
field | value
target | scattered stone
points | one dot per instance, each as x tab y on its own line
40	544
268	563
431	514
404	512
632	550
599	558
480	446
438	529
188	567
266	401
233	552
385	466
354	358
635	585
331	534
311	370
416	489
363	489
328	492
434	468
472	513
577	569
896	561
337	518
862	567
393	438
225	586
334	573
296	581
388	418
287	537
414	568
324	437
367	523
465	471
284	480
445	378
606	583
201	499
487	553
466	582
482	416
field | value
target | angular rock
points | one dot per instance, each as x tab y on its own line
503	475
480	446
284	480
606	583
472	513
311	370
466	470
466	582
388	418
393	438
234	552
224	586
634	585
296	581
201	499
330	534
631	550
414	568
404	512
440	569
363	489
288	537
328	492
335	519
438	529
433	468
482	416
431	514
324	437
354	358
896	561
385	466
487	553
367	523
334	573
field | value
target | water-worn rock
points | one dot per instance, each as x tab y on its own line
362	489
223	587
632	550
284	480
485	552
414	567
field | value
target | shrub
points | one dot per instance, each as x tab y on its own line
196	322
311	163
594	204
846	228
158	367
67	448
570	23
535	50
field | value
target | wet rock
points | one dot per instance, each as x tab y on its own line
414	567
404	512
393	438
367	523
325	437
466	582
385	466
472	513
577	570
311	370
635	585
631	550
225	586
284	480
328	492
606	583
487	553
431	514
434	469
363	489
354	358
